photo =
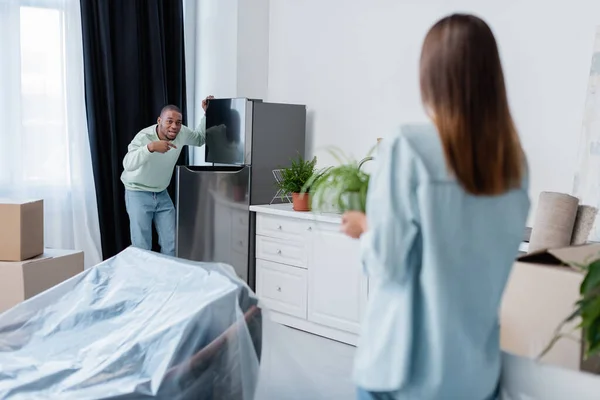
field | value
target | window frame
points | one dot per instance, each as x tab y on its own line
51	4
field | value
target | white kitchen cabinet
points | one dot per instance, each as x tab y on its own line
337	289
283	287
308	274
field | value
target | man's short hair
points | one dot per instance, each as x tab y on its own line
170	107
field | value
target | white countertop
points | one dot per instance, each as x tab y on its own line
285	210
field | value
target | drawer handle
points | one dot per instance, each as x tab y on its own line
279	288
309	228
279	252
279	227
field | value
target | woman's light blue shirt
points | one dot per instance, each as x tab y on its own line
438	259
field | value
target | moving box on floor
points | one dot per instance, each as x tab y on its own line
21	229
542	292
20	280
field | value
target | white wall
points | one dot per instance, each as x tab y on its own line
211	42
253	48
355	65
227	53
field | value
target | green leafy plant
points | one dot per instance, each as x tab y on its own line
295	177
344	186
587	308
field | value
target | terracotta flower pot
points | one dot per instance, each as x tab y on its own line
301	202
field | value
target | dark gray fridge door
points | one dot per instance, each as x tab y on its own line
213	217
228	131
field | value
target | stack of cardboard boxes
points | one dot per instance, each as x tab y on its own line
26	267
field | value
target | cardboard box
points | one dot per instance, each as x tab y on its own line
20	280
21	230
540	294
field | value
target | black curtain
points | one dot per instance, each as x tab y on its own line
134	64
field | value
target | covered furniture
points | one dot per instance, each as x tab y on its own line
139	325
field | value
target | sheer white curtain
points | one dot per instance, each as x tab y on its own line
44	145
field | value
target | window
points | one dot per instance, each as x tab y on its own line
36	138
44	144
43	109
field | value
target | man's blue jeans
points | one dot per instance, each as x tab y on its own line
147	207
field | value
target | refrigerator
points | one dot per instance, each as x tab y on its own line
246	139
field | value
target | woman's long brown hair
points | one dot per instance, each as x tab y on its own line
462	87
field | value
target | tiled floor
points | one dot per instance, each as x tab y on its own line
299	366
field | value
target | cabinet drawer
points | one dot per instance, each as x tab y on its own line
282	288
282	251
282	227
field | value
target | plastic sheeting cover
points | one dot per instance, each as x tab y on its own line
139	325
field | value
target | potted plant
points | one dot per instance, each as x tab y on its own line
587	309
294	178
344	186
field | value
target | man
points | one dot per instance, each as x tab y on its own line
148	164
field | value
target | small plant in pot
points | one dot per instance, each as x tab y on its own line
587	311
294	179
344	186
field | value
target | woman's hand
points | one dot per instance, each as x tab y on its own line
354	223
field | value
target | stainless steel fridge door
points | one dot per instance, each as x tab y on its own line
213	217
229	131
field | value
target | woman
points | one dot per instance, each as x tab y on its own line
447	208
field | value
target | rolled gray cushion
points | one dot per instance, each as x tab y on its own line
586	216
554	220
